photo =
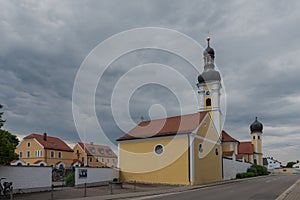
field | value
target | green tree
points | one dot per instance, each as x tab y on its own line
8	143
1	120
290	164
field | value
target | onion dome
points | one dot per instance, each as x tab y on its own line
209	73
209	51
256	126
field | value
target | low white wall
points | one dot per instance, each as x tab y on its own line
94	176
27	179
232	167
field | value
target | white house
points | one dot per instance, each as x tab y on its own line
297	165
271	163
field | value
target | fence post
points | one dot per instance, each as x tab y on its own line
111	188
134	186
52	193
84	190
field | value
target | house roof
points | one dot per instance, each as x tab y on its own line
228	153
227	138
75	161
246	148
239	156
98	150
165	127
50	142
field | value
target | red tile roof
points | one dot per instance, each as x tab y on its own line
227	138
50	142
228	153
239	156
98	150
75	161
246	148
165	127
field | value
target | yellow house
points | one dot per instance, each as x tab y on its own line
177	150
43	150
97	155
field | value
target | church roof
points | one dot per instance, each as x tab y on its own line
165	127
246	148
227	138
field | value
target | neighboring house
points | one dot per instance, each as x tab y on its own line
97	155
271	163
44	150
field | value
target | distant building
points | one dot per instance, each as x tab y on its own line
95	155
271	163
297	165
44	150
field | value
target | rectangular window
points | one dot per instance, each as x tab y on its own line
91	159
103	160
59	155
28	144
21	154
107	160
52	154
28	154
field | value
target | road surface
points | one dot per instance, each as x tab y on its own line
263	188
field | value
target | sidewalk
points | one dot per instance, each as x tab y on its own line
292	193
163	191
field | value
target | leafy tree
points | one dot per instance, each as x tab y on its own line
1	120
290	164
8	143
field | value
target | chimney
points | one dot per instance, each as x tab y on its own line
45	136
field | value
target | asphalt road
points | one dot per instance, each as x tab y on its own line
264	188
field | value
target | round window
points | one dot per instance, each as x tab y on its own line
159	149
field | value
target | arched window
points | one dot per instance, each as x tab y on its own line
253	137
208	102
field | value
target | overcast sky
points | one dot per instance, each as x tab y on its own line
43	43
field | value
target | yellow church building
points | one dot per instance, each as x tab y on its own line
185	149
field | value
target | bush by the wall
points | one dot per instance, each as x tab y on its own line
70	179
254	170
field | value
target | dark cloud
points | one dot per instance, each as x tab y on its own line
42	45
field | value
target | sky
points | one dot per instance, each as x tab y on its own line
44	43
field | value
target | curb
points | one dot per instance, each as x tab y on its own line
166	191
288	191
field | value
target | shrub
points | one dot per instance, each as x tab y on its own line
70	179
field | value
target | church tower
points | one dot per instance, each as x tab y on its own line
209	85
256	129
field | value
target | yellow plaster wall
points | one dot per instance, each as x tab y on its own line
33	147
225	147
207	165
138	162
109	162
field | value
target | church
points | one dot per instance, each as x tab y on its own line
187	149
